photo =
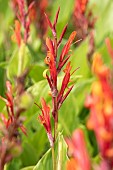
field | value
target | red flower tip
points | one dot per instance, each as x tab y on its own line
49	44
66	48
68	68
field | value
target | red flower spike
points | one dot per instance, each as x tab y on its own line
77	148
100	103
66	48
45	120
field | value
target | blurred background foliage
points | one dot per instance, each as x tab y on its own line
72	114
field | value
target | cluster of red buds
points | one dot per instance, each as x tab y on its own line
55	65
84	24
12	120
23	21
77	150
100	103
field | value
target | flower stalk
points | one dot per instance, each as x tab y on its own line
55	66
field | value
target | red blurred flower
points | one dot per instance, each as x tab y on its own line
24	21
77	149
100	103
13	119
36	15
82	21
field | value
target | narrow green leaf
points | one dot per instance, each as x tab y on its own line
61	156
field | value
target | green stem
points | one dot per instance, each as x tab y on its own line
55	130
60	154
53	158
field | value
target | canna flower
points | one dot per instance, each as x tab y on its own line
45	120
100	103
55	66
77	149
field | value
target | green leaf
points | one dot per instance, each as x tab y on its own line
20	61
103	11
39	89
36	72
28	156
45	162
79	59
61	153
14	164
